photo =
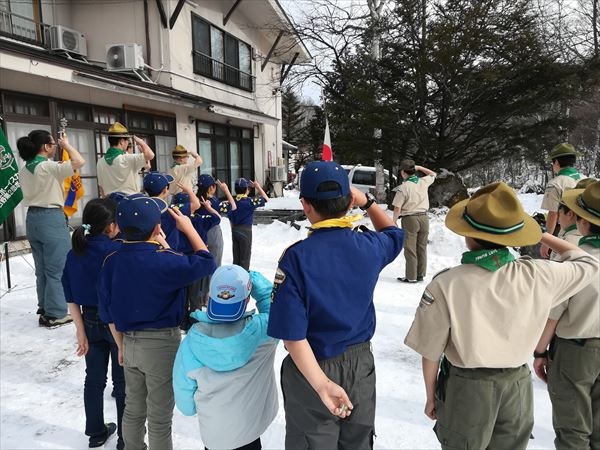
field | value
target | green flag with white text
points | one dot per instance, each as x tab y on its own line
10	189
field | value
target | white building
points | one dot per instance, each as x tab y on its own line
205	74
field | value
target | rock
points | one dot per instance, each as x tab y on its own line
447	190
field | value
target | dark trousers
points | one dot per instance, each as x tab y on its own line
485	408
256	445
101	347
310	425
241	237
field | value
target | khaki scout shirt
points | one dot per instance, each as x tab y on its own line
44	187
554	191
479	318
186	174
579	316
122	175
413	198
571	236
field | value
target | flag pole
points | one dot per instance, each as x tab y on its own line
6	255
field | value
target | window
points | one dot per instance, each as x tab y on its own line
221	56
228	152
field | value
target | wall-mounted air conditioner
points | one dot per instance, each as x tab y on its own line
67	40
124	57
277	173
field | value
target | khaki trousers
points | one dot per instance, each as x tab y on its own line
148	361
416	232
574	388
486	409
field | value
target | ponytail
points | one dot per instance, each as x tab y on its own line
97	215
30	145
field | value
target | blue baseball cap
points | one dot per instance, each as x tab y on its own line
180	198
230	286
155	182
138	211
318	172
205	181
117	196
242	183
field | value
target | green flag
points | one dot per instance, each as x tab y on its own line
10	189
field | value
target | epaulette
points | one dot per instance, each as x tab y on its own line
287	248
169	250
441	271
108	256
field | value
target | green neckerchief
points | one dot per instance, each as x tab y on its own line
571	227
592	239
111	154
491	260
570	172
31	165
413	178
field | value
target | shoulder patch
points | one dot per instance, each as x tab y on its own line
426	299
441	271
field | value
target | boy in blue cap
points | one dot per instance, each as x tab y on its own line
224	367
141	292
326	317
241	219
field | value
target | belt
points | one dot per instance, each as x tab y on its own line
424	213
582	341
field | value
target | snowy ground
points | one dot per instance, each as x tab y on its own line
41	379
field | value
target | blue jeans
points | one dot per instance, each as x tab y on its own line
101	347
50	242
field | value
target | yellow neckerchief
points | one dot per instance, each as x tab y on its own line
340	222
240	196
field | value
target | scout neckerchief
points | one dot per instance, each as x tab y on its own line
571	227
413	178
111	154
238	197
570	172
491	260
592	239
31	165
340	222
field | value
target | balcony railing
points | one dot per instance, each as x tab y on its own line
217	70
24	29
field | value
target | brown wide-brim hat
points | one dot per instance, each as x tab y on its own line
118	130
585	202
494	214
179	151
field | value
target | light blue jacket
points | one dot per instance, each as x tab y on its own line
224	373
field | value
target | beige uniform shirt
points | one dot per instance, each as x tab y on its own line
479	318
554	191
44	188
122	175
579	316
571	236
186	174
413	198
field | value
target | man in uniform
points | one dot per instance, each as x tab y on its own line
411	203
572	369
184	170
485	316
118	169
563	158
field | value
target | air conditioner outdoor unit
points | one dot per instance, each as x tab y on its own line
277	173
68	40
124	57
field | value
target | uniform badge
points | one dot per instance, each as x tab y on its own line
279	278
426	299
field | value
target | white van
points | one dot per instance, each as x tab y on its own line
362	177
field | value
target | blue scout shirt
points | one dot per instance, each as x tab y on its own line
142	285
202	223
81	272
323	289
244	214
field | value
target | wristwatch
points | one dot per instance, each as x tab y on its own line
370	200
544	354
